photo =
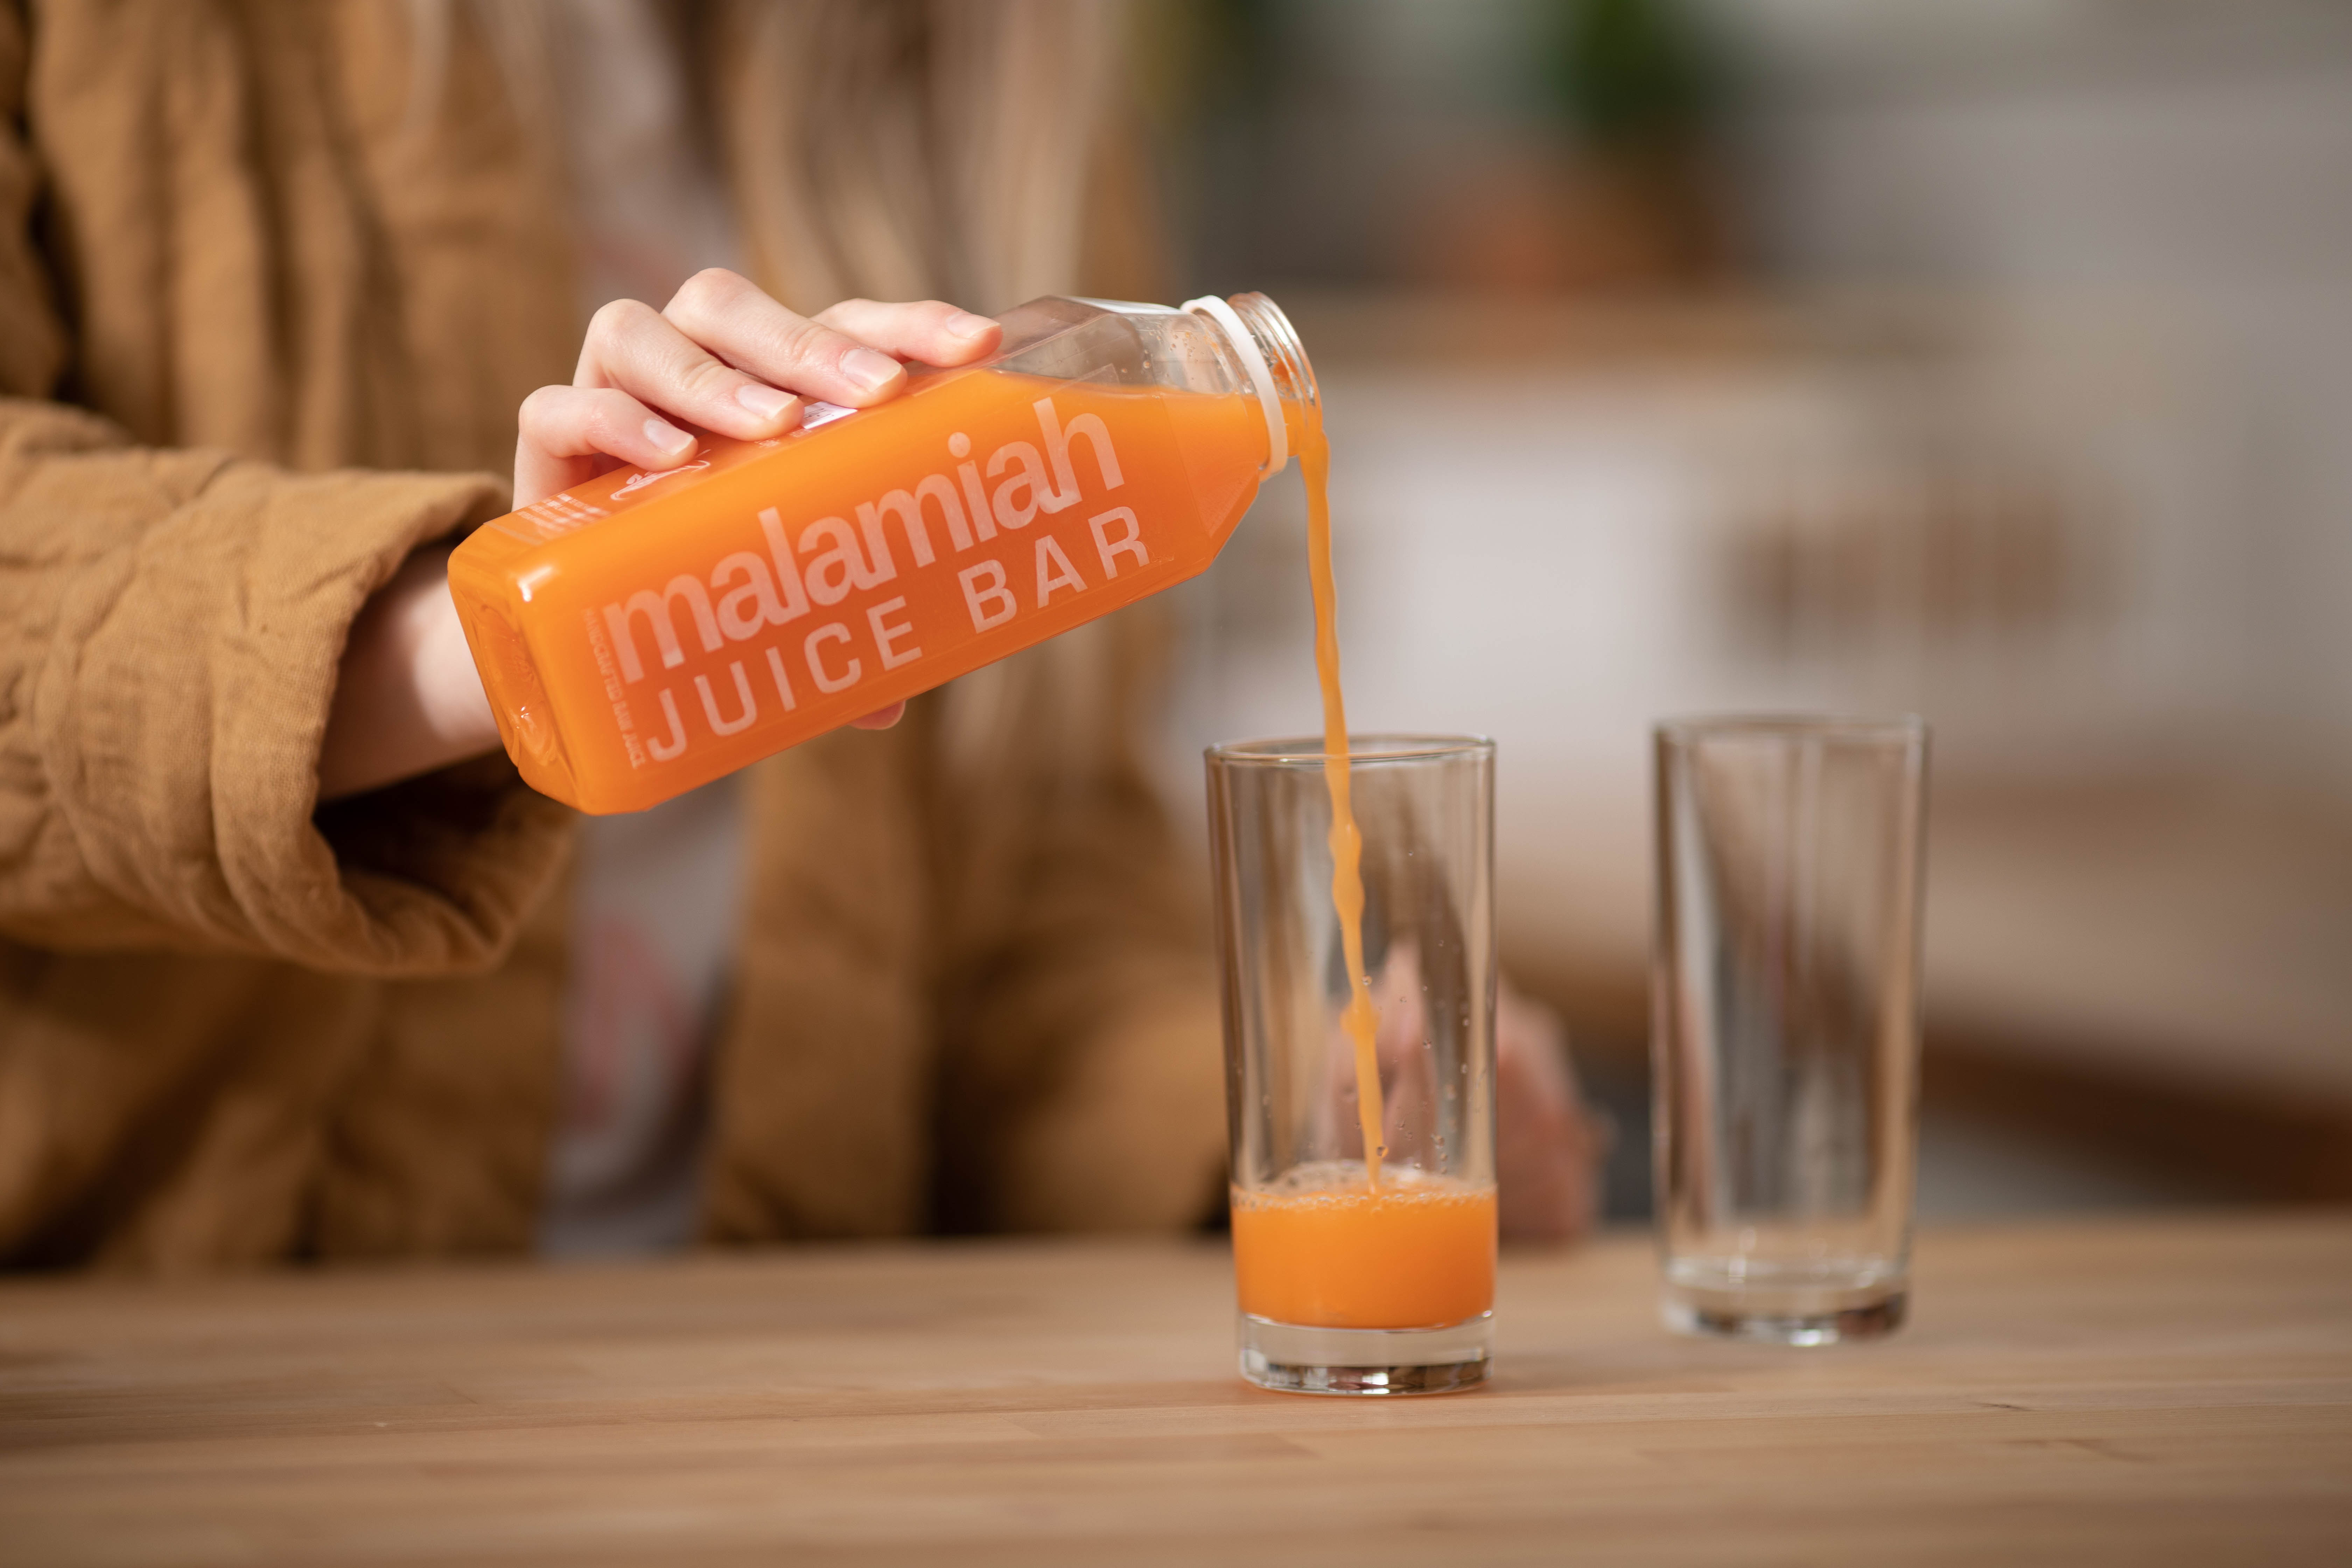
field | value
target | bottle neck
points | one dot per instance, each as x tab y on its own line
1276	341
1275	365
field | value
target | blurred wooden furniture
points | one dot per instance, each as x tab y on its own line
2019	514
2160	976
2161	1391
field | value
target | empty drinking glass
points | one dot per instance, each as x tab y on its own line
1785	1023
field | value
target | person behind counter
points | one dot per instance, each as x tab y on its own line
292	965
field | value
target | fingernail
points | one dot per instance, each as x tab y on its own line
665	436
763	400
964	324
867	369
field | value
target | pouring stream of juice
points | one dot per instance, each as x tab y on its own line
1347	842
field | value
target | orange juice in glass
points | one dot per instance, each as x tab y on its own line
1357	1270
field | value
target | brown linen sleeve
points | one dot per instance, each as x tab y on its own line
32	341
170	624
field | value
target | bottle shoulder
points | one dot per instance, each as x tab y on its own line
1119	344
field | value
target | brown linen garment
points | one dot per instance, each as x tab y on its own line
262	331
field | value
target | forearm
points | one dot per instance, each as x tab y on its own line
407	698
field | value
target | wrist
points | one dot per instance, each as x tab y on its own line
456	709
407	697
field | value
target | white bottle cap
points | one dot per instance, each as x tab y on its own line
1261	375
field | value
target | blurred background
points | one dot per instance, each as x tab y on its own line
1991	362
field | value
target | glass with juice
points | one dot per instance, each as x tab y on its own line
644	632
1364	1168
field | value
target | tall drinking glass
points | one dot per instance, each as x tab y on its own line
1358	1277
1785	1023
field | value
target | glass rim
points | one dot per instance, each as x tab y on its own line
1306	751
1850	727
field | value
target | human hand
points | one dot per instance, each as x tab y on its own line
1548	1144
722	356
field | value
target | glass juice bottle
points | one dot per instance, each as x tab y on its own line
644	632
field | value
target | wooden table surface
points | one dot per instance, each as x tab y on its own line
2175	1390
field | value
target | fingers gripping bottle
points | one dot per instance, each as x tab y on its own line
645	633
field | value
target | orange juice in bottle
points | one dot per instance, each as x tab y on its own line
644	632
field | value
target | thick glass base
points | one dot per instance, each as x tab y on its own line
1812	1303
1290	1358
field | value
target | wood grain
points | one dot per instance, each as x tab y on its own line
2140	1393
